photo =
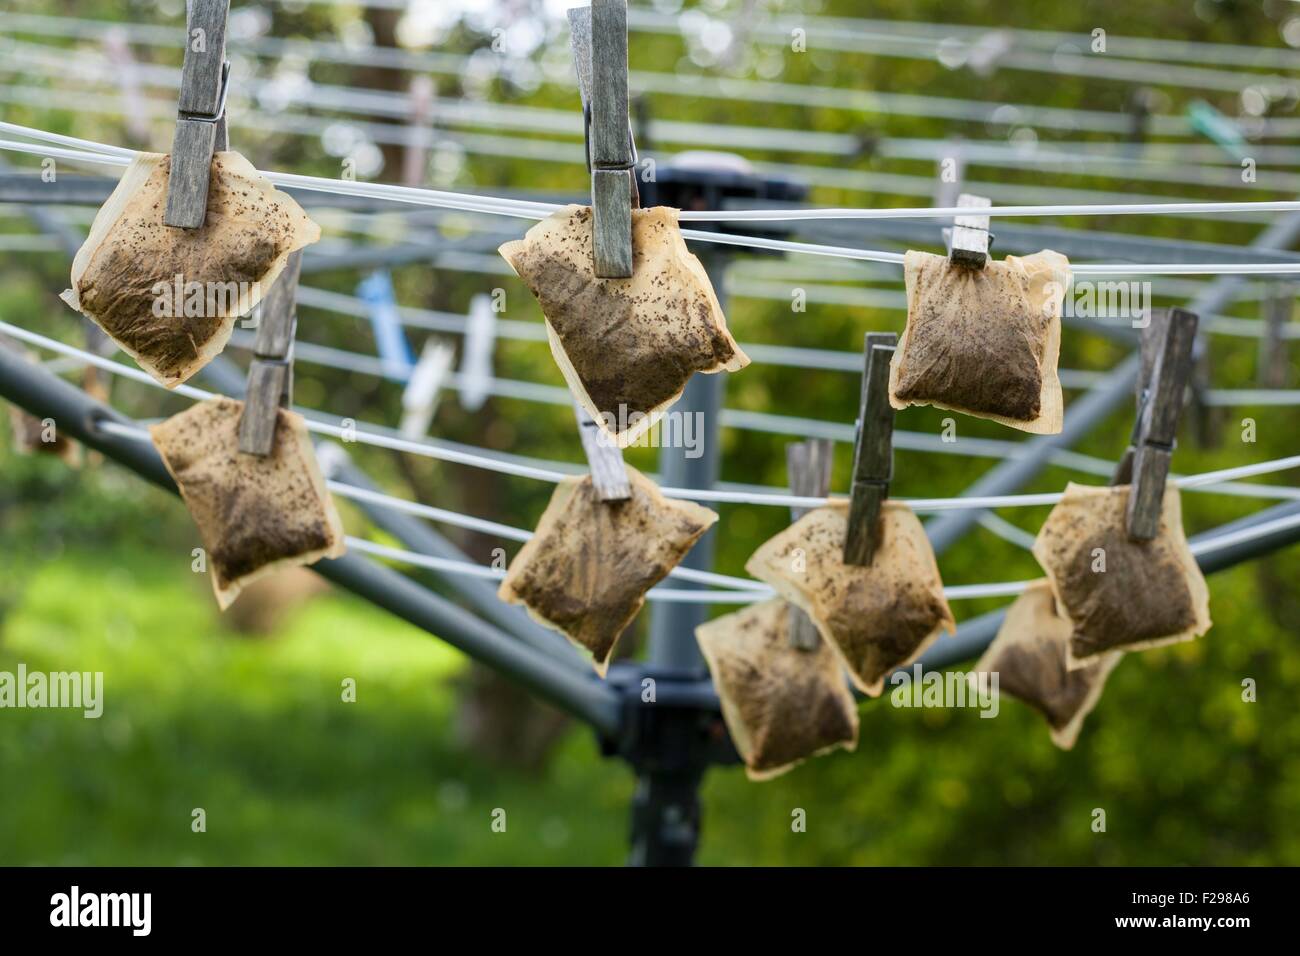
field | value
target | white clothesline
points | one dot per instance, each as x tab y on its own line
745	590
92	152
350	433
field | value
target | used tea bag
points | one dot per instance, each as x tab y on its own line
1118	593
984	342
255	515
169	297
33	436
781	704
587	568
878	617
1030	657
626	346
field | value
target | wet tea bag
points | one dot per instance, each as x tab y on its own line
781	704
626	346
1030	657
984	342
255	515
169	297
878	617
586	569
1118	593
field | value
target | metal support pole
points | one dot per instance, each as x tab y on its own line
666	806
672	625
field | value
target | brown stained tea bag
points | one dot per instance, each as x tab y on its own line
33	436
781	704
1030	657
983	342
587	568
879	617
626	346
1151	593
255	515
169	297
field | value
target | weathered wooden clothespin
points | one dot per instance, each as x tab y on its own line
270	375
414	157
1278	309
200	112
1166	370
608	473
135	112
969	238
808	464
873	452
952	169
598	37
1207	419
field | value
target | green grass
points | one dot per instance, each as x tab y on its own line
256	733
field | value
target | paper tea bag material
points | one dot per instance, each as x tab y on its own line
32	435
1030	656
35	436
255	515
879	617
1117	593
170	297
984	342
626	346
587	568
782	705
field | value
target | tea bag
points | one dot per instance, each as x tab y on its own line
169	297
878	617
626	346
35	436
1116	592
255	515
587	568
782	705
32	435
1029	655
984	342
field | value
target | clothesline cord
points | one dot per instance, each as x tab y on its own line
349	433
525	209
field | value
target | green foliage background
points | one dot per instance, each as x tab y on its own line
95	568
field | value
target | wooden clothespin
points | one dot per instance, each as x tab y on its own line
969	238
200	111
598	37
135	112
873	452
1278	309
1207	419
608	473
1166	370
952	169
808	464
270	375
417	146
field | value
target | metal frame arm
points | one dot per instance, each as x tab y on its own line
79	416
